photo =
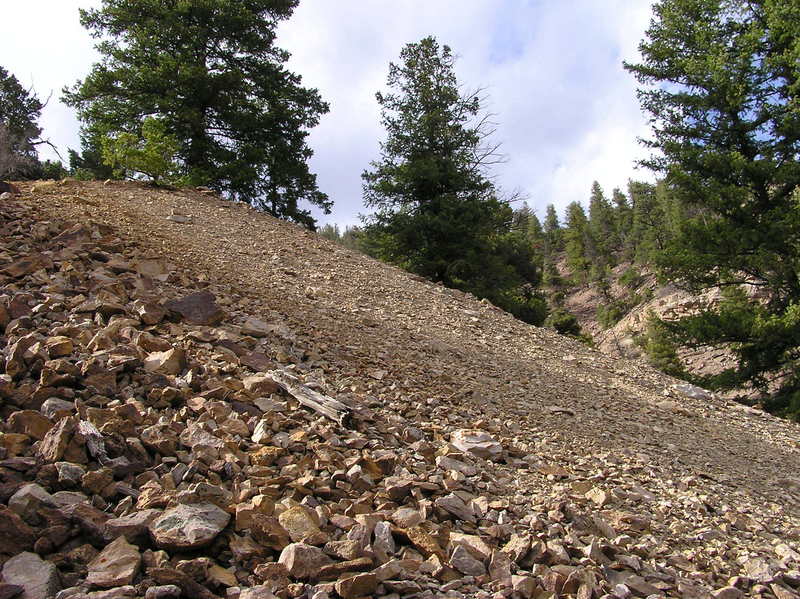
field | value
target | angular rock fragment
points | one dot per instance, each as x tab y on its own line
197	308
116	565
260	384
267	531
255	327
463	561
149	313
29	422
300	525
133	527
303	561
476	442
188	526
360	585
15	535
172	361
37	577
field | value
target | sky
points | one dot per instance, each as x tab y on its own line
565	109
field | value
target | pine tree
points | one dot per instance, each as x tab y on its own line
577	241
437	212
622	218
521	218
721	79
602	233
211	72
553	234
536	233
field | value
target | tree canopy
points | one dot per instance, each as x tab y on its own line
437	211
721	80
210	71
19	130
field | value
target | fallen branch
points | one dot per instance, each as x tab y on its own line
327	406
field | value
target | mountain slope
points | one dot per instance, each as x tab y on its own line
703	488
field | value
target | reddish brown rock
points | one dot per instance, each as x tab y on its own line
57	440
15	535
303	561
260	384
197	308
300	525
267	531
29	422
28	265
116	565
360	585
149	313
37	577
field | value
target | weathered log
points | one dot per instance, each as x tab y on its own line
327	406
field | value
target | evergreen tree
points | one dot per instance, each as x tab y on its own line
88	164
536	233
19	131
553	235
602	233
622	218
647	232
211	72
520	220
721	79
437	212
576	240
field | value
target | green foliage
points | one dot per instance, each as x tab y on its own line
661	348
622	217
553	235
152	154
721	80
521	219
351	238
88	165
436	211
210	69
657	217
51	169
611	312
564	322
631	278
602	230
577	242
19	131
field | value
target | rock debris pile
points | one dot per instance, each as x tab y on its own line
160	440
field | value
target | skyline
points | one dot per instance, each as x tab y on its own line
566	111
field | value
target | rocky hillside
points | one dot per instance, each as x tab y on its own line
200	401
665	301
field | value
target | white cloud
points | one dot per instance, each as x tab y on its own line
566	110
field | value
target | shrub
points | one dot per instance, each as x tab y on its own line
152	154
51	169
564	322
631	278
661	349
